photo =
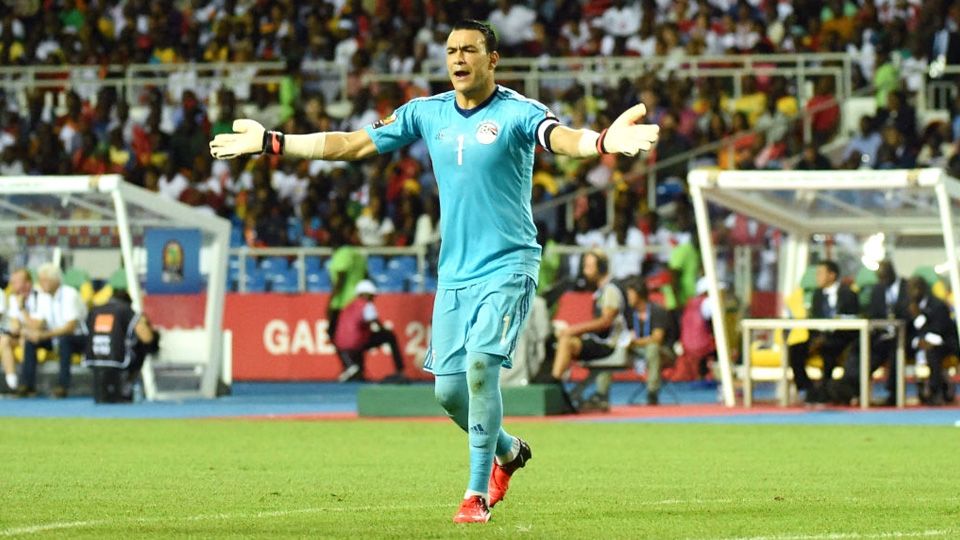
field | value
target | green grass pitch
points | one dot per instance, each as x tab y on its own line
399	479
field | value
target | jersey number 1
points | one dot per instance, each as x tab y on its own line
459	149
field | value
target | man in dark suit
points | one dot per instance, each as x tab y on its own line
831	300
888	300
934	339
945	42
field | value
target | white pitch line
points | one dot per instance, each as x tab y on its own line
34	529
845	536
60	525
667	502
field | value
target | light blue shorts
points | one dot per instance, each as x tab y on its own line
480	318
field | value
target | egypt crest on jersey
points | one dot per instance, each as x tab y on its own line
487	132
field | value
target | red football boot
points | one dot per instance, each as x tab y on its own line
500	475
472	510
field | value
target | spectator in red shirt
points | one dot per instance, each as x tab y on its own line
824	110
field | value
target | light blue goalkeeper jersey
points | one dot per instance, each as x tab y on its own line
483	161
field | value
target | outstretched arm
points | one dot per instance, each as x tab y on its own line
625	136
250	137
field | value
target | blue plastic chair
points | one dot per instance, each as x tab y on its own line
275	264
405	265
284	281
318	281
256	281
375	264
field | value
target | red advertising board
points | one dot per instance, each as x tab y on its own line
283	337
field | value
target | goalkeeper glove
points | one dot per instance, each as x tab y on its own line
626	136
249	137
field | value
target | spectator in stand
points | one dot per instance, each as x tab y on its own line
671	144
513	22
752	102
428	224
375	228
773	123
900	115
945	43
825	110
893	152
866	144
812	159
886	78
626	245
936	146
358	330
621	20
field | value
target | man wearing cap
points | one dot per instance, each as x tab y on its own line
358	330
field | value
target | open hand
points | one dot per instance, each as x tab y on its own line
627	136
247	138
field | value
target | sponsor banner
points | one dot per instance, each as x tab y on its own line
283	337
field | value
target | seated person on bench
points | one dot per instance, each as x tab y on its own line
933	340
831	300
594	339
653	335
888	300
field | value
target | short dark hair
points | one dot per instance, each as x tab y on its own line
489	36
831	266
639	285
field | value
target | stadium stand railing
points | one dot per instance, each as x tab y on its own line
300	269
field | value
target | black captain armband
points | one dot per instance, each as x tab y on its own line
273	143
544	128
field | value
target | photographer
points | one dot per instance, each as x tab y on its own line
120	339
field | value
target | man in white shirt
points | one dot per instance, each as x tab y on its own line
21	287
513	22
622	19
56	320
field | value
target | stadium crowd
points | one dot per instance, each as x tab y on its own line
158	140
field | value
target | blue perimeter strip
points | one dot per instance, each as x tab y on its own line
286	399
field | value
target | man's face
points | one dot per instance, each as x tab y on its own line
824	276
19	284
915	289
885	273
49	285
469	65
590	269
634	300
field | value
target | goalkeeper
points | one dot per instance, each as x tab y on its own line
481	138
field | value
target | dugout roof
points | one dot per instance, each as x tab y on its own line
915	202
107	212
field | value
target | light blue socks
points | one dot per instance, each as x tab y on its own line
472	400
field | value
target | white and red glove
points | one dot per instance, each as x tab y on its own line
626	136
248	137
